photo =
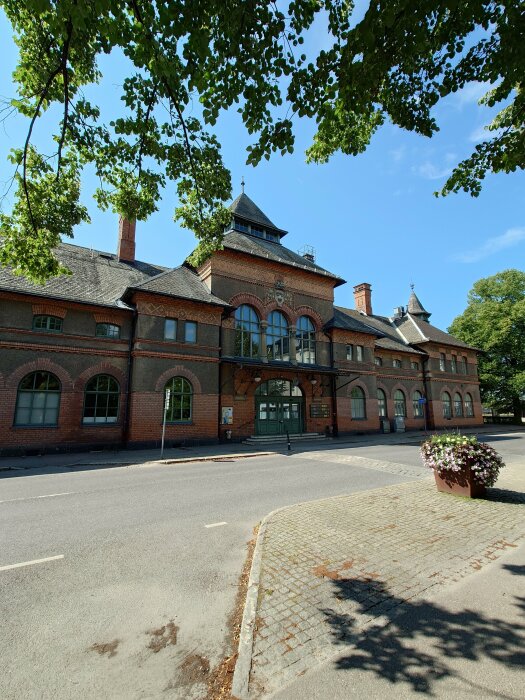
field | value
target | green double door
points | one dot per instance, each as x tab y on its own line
276	415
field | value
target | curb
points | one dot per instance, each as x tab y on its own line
241	674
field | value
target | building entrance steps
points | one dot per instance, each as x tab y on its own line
273	439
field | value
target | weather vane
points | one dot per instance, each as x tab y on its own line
412	286
242	184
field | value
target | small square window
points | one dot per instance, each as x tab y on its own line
414	365
190	332
349	352
396	363
170	329
378	361
359	353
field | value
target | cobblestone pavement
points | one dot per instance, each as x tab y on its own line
350	561
366	463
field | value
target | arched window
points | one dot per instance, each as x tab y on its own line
417	406
400	403
381	403
247	332
458	405
38	399
107	330
447	404
469	406
180	400
101	400
277	337
305	341
53	324
357	396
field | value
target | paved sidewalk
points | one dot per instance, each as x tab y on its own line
334	568
113	457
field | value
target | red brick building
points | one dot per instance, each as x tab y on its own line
250	342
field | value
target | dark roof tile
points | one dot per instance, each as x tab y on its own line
182	283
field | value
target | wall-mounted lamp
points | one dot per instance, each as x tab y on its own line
313	382
257	379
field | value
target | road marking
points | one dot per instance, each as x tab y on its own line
30	563
30	498
216	524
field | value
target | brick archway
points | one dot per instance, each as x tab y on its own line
250	300
178	371
101	368
312	314
39	365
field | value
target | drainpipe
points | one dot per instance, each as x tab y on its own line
335	427
426	407
219	387
125	435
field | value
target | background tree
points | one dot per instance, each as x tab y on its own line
190	60
494	322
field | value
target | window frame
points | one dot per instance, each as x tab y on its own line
49	319
350	352
33	394
247	329
442	362
101	393
187	325
454	364
397	363
415	365
378	361
180	408
167	320
357	404
446	405
469	405
457	405
281	334
418	409
305	342
108	326
382	404
400	402
359	353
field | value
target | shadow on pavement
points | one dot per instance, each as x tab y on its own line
419	637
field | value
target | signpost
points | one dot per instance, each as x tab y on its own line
166	406
422	401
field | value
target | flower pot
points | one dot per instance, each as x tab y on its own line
460	484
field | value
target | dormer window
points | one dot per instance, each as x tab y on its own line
255	230
240	226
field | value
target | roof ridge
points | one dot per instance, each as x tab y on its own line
398	331
418	328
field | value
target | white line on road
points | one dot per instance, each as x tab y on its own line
30	498
216	524
29	563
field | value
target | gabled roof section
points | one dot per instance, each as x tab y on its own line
348	322
389	337
416	308
245	208
268	250
181	283
97	278
417	331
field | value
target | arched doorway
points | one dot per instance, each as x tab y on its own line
279	407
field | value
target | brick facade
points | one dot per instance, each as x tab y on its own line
356	354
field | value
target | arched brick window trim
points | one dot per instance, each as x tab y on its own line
286	311
311	313
49	310
40	365
101	368
178	371
250	300
361	386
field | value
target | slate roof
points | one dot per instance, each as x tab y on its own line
261	248
416	308
342	319
180	282
245	208
388	336
97	277
418	331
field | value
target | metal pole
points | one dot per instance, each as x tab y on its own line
166	405
288	438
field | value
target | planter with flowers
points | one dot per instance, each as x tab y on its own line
461	465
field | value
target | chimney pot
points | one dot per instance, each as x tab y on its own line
126	239
363	298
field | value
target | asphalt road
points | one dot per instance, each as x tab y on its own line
137	604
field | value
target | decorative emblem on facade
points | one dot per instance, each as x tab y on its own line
279	296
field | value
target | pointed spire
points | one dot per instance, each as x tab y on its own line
415	307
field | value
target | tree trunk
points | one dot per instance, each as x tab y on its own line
517	409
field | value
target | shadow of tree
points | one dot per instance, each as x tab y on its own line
505	496
412	641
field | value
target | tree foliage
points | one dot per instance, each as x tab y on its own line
494	322
191	60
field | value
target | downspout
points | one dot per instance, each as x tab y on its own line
219	387
335	426
125	436
426	407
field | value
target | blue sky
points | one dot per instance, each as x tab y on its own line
372	218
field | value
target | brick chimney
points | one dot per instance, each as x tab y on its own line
363	298
126	239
